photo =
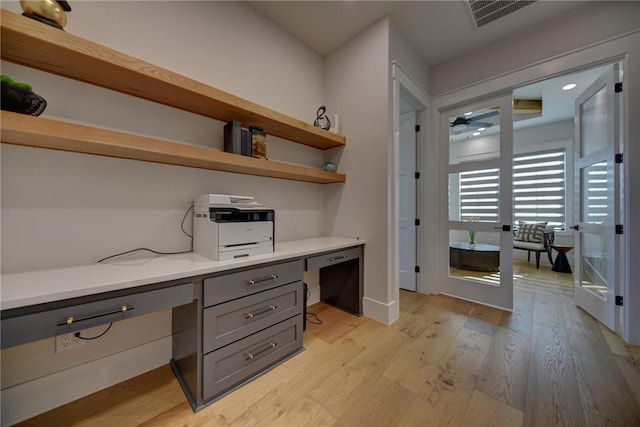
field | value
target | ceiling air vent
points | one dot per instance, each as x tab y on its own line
485	11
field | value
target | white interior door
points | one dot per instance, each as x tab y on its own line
407	211
597	203
476	191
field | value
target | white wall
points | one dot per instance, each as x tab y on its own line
358	87
63	209
592	23
631	248
402	51
356	83
148	198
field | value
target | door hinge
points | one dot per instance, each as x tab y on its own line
619	300
417	175
619	229
619	158
618	87
417	269
417	222
417	128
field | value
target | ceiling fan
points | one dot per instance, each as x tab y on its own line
461	123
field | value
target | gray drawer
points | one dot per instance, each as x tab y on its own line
234	364
228	322
49	322
332	258
236	285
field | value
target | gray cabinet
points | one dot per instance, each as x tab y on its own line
246	282
231	321
241	324
242	360
333	258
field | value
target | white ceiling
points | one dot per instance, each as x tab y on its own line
557	104
438	30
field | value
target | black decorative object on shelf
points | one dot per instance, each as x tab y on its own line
19	98
233	137
50	12
236	139
322	121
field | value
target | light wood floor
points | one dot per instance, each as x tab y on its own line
445	362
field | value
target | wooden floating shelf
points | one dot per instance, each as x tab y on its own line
33	44
19	129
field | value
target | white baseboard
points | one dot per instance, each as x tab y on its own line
386	313
32	398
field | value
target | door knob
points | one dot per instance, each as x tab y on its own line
575	227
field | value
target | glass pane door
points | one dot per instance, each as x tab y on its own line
477	234
596	179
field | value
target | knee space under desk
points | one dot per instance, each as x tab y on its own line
341	279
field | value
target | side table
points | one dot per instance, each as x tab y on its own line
561	263
478	257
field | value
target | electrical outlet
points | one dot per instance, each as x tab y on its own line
67	342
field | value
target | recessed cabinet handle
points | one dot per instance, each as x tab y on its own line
335	258
269	346
253	282
71	320
261	311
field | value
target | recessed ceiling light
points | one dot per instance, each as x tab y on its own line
475	133
569	86
468	113
481	129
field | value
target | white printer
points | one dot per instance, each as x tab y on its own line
227	227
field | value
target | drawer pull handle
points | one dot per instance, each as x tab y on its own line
71	320
261	311
269	346
253	282
335	258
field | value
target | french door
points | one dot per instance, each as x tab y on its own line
597	199
476	196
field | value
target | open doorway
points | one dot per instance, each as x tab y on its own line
556	124
410	104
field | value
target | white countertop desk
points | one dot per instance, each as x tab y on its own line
40	294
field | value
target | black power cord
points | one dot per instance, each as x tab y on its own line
314	316
158	252
77	334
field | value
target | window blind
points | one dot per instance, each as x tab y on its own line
479	195
595	206
539	188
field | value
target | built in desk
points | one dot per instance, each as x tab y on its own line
232	320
